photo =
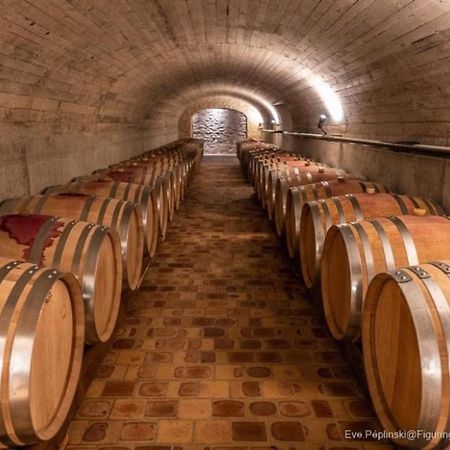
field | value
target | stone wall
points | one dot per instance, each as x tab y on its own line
256	114
220	128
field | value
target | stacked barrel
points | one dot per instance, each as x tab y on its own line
380	264
66	256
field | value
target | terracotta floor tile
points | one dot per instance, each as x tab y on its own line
220	348
138	431
175	431
194	409
213	432
161	408
128	409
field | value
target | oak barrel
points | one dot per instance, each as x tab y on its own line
41	350
295	173
152	180
354	253
129	175
171	170
406	343
162	205
283	184
90	252
297	196
144	196
318	216
125	217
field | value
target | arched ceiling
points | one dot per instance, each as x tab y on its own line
132	60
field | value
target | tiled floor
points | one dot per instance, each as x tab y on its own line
219	348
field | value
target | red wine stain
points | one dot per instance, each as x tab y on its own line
24	228
125	176
95	183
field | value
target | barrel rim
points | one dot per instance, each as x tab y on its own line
352	330
425	330
313	209
129	209
24	431
93	335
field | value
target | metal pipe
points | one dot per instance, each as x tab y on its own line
442	151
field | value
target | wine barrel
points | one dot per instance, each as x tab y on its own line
318	216
141	169
185	171
169	193
267	172
254	164
144	196
299	171
250	162
297	196
178	183
283	184
405	336
162	205
269	199
90	252
125	217
131	175
354	253
41	350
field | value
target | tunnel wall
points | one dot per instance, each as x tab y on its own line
418	175
35	156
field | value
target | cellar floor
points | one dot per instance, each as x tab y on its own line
219	348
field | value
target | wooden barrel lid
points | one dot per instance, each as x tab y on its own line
43	335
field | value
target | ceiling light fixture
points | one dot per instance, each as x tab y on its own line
322	119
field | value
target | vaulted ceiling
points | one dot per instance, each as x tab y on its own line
388	61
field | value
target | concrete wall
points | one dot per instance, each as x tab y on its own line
33	157
418	175
220	128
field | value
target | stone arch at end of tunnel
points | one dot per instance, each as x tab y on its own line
220	128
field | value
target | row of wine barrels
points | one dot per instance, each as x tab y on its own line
247	158
262	166
62	258
299	195
302	170
170	184
319	216
159	185
296	171
90	252
292	174
125	217
382	262
42	336
145	196
355	252
244	148
300	179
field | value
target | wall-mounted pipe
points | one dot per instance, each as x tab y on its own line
436	149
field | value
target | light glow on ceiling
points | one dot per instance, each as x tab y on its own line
329	97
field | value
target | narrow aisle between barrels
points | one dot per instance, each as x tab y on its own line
218	348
